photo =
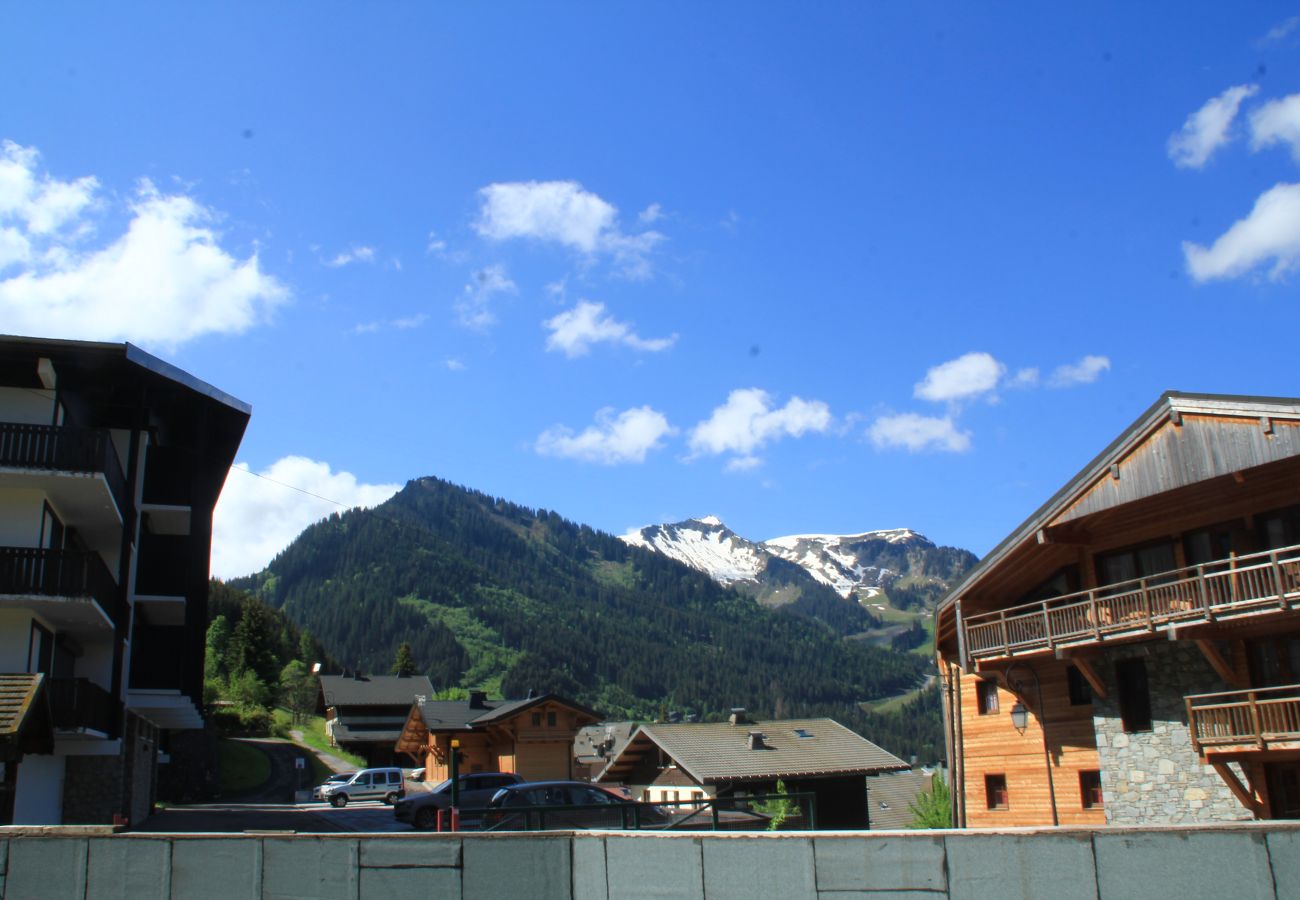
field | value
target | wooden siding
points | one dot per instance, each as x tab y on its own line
1175	456
991	745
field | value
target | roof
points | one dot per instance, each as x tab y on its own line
459	715
374	690
345	734
890	798
719	752
596	743
1171	407
26	725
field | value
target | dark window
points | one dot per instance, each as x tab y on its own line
1138	562
1080	690
550	719
40	649
995	791
1280	529
1090	789
987	695
1134	694
537	719
1064	580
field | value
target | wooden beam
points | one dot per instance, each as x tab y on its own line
1090	675
1218	663
1238	789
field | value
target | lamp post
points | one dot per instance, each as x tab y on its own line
1020	677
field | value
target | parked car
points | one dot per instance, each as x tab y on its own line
336	778
421	810
540	805
367	784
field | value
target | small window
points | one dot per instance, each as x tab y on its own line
537	720
550	720
1134	694
987	695
802	733
1080	690
995	791
1090	789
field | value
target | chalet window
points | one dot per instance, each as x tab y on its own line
1281	528
1080	690
537	720
986	693
1090	789
995	791
1135	562
1064	580
1134	694
550	720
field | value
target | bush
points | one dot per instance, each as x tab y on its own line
234	721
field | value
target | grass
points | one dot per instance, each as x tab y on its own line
313	735
243	766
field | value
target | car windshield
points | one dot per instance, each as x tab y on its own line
442	786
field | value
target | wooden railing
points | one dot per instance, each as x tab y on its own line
1257	717
60	573
78	704
63	449
1244	585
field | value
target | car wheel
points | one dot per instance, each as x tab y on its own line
426	819
338	801
391	798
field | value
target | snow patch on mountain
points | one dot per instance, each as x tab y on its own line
704	544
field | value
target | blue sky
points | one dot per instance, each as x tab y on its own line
825	268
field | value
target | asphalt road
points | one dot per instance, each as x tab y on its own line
306	818
285	776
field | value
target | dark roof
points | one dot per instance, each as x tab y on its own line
344	734
374	690
1170	404
712	753
25	722
890	798
459	715
612	736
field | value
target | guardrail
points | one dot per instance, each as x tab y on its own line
1243	585
1258	717
60	573
772	812
64	449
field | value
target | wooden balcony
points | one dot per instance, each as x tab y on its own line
1256	719
74	590
56	448
1249	585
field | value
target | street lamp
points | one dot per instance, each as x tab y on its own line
1020	717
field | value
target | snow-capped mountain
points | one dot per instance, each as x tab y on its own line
858	566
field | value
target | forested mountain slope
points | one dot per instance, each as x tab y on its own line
492	594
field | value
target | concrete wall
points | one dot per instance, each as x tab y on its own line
1259	860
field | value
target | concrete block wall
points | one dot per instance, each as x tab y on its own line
1258	860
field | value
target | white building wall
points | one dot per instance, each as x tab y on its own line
39	798
15	635
26	406
20	517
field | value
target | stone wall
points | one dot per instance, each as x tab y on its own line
96	788
1156	777
1258	861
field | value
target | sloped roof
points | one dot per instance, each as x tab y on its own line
459	715
719	752
890	798
374	690
25	722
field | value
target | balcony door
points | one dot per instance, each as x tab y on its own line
1274	660
1283	790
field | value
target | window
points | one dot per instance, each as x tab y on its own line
803	733
550	720
995	791
1080	690
1134	694
986	693
1090	789
537	720
1138	562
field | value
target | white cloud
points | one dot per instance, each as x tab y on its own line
574	331
563	212
403	324
747	422
354	255
651	214
1085	371
961	378
1206	130
915	433
1270	232
255	518
165	281
437	245
1024	378
623	438
473	308
1281	31
1277	121
454	365
742	464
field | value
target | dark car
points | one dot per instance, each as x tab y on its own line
540	805
421	809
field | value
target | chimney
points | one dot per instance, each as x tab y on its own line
478	699
738	716
756	741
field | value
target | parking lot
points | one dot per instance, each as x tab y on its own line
303	818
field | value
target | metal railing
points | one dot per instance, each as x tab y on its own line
64	449
78	704
784	812
1259	717
60	573
1244	585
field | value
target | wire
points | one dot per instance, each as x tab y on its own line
289	486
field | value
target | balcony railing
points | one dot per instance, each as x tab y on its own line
30	571
1229	588
78	704
1256	718
63	449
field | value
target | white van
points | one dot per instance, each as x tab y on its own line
368	784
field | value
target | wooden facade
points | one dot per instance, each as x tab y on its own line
1166	575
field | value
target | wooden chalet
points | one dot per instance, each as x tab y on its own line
1131	653
532	737
671	762
364	714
